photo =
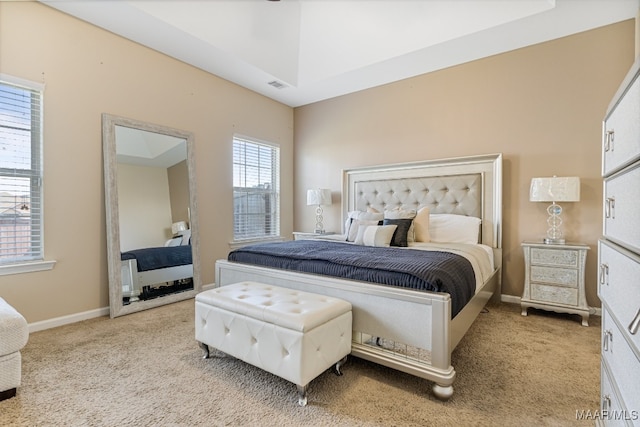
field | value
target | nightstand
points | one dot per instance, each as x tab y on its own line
301	235
554	278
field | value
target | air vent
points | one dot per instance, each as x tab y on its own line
277	84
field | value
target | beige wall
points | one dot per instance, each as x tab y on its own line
178	182
542	107
144	209
88	71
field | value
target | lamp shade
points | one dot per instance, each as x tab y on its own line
179	226
319	197
555	189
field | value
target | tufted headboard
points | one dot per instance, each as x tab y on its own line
458	194
465	186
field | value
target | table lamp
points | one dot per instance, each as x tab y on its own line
319	197
555	189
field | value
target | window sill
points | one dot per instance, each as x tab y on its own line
240	243
26	267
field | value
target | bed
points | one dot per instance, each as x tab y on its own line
151	272
414	331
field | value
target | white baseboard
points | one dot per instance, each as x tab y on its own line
78	317
511	299
65	320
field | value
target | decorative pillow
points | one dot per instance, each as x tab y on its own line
399	213
449	228
375	235
421	226
356	224
362	216
400	235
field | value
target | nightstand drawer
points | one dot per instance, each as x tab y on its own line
554	294
555	276
559	257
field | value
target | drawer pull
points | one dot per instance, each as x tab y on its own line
608	141
606	402
635	324
610	207
604	274
608	337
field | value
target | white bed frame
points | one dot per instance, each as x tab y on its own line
133	280
417	320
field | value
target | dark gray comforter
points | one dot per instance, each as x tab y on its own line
420	270
161	257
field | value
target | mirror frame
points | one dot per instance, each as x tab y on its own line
116	306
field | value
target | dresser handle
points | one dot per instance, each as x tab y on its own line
610	207
608	337
635	324
608	141
606	402
604	274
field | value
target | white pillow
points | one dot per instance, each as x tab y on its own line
375	235
450	228
360	216
176	241
356	225
421	225
398	213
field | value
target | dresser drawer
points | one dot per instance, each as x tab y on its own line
621	132
622	362
622	207
559	257
555	276
554	294
619	286
617	415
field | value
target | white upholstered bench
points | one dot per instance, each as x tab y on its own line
14	334
294	335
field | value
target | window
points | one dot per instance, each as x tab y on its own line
256	190
20	171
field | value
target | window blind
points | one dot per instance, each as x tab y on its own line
20	173
256	189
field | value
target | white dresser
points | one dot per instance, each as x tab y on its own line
619	257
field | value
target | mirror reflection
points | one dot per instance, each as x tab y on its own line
150	221
153	210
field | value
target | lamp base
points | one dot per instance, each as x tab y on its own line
550	241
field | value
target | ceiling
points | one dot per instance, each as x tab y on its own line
303	51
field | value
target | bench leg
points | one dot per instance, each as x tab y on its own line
205	349
338	365
302	395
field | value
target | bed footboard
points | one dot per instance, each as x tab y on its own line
420	320
133	280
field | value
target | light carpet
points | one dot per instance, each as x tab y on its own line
145	369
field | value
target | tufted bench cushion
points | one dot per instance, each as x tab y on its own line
14	333
294	335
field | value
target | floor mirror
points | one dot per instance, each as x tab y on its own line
151	215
